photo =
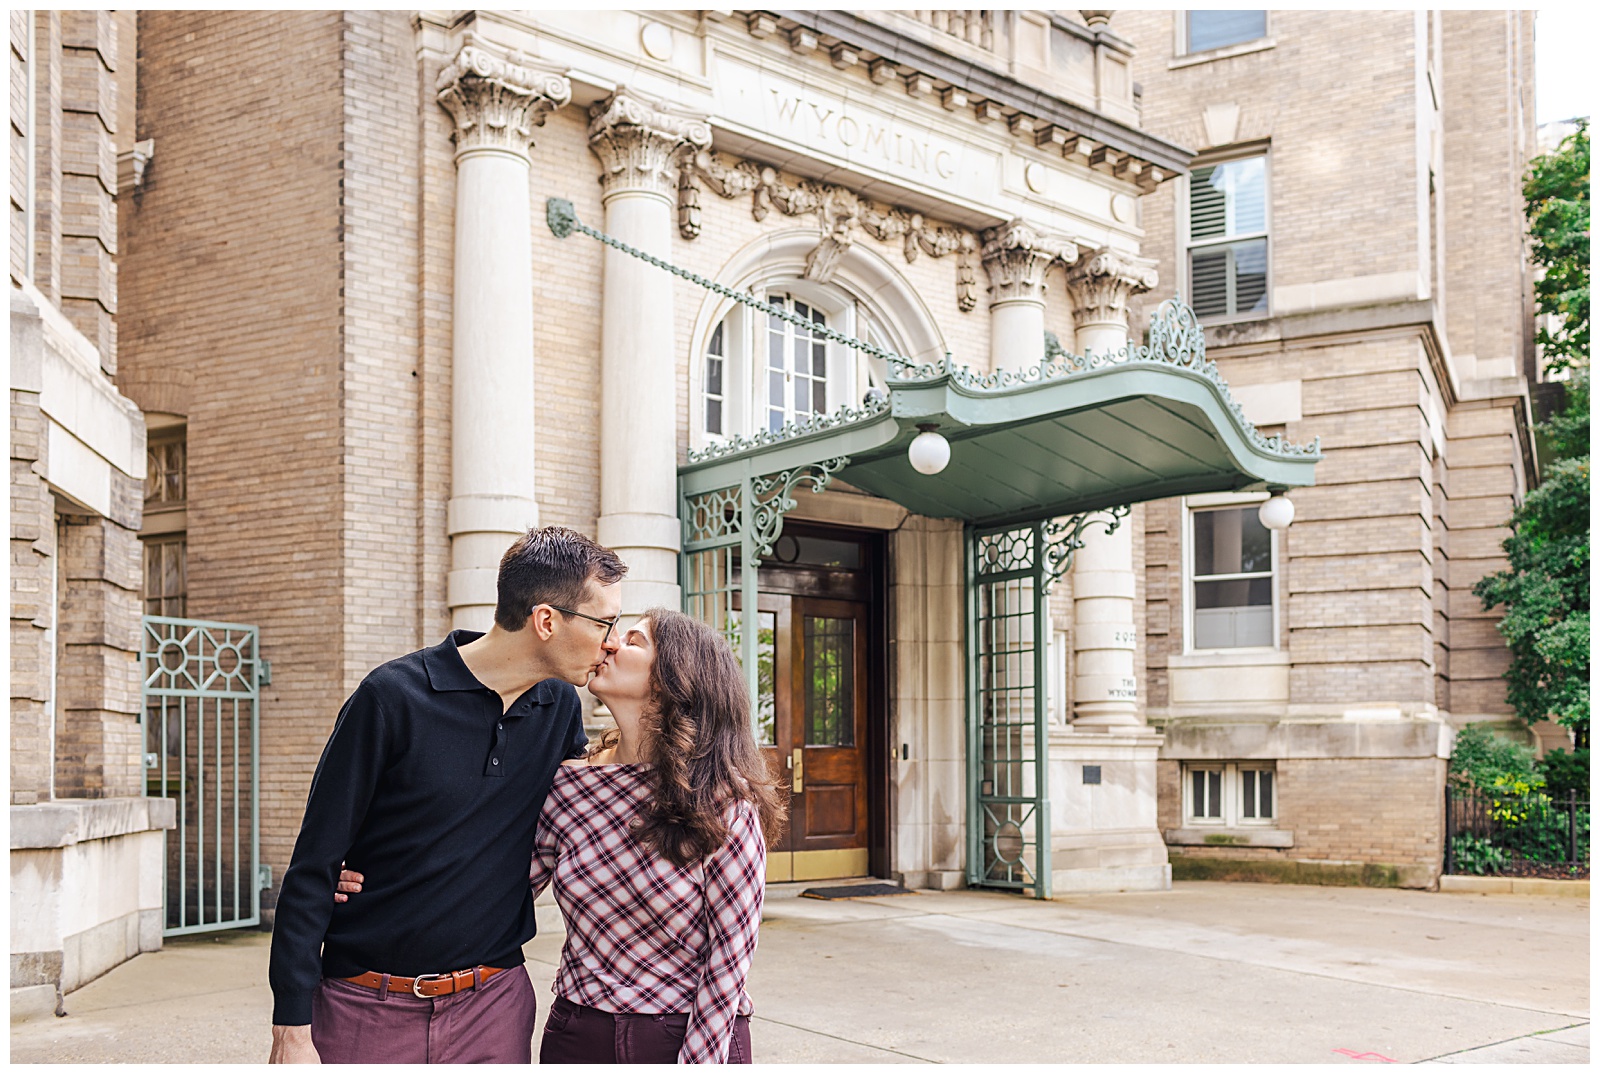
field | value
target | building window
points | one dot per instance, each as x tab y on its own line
759	372
1228	238
1230	795
797	365
1218	29
1231	584
166	575
166	476
716	363
164	529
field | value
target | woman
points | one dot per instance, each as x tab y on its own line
655	845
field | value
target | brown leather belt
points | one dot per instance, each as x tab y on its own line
429	985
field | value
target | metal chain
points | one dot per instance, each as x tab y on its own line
563	220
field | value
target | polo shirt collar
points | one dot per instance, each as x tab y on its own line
448	672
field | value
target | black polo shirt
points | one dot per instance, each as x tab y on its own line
432	793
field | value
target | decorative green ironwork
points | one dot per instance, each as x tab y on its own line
1063	538
844	415
1008	823
725	533
200	721
773	500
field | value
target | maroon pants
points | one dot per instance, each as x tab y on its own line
492	1023
577	1034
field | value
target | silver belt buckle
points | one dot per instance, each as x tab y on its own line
416	982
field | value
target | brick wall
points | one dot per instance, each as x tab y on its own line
1482	481
1385	811
98	751
1487	112
382	538
89	60
32	564
232	273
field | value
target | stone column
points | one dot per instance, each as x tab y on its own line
496	103
1016	256
1105	689
639	144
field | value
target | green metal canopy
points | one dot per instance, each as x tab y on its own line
1070	436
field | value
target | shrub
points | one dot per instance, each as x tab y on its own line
1566	772
1481	757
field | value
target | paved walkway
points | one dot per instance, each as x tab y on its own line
1204	973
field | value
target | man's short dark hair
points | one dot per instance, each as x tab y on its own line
551	565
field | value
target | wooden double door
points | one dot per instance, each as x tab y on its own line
819	720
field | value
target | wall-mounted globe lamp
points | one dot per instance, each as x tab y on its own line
929	452
1277	512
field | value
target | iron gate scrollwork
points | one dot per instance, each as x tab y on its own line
200	721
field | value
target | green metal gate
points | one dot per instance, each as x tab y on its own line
1010	571
1009	827
200	721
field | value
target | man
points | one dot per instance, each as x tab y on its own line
431	785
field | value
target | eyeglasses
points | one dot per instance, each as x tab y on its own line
609	624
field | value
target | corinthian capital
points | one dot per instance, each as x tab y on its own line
1016	256
496	101
1102	283
639	142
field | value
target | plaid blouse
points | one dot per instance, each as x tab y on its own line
644	936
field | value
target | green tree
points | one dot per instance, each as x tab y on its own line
1546	590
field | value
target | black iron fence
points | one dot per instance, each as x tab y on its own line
1490	833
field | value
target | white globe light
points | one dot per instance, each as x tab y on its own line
929	452
1278	512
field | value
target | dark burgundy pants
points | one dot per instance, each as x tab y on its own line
492	1023
578	1034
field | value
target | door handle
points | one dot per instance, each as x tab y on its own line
797	765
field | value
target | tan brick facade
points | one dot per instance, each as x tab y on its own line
1396	318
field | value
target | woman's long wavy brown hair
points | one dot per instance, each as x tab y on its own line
701	749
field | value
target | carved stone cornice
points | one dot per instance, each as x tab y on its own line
1102	283
639	142
497	101
1017	256
839	213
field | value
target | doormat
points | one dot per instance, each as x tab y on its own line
854	891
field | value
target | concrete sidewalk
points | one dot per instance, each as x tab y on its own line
1204	973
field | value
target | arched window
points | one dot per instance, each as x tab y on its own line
760	372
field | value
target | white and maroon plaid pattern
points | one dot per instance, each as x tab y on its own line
644	936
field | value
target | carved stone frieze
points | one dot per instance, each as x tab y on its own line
639	142
1102	283
497	101
1016	255
839	211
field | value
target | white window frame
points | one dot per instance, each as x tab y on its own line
1187	244
1232	791
850	374
1211	502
